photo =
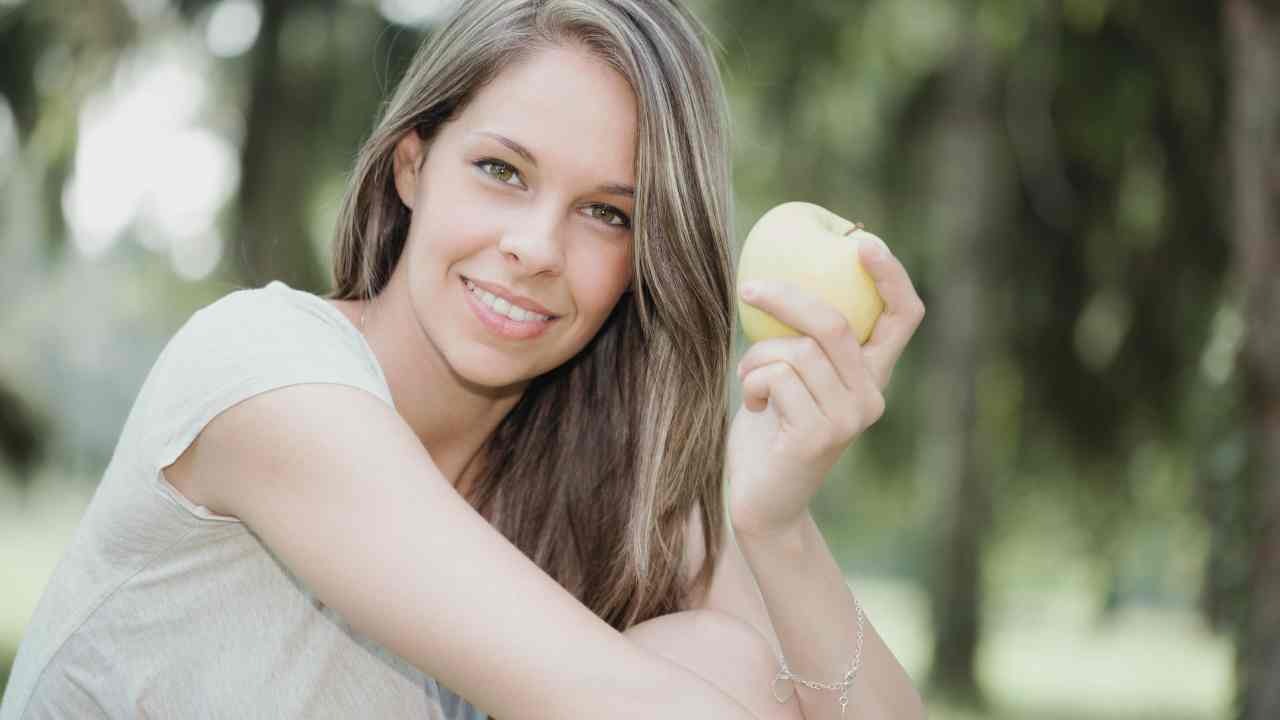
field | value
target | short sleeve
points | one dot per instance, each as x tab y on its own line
248	342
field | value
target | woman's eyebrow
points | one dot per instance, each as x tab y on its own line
522	151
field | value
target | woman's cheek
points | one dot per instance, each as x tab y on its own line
607	279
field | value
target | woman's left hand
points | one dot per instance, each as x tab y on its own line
805	399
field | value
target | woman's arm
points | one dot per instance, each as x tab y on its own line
805	399
338	486
803	577
813	614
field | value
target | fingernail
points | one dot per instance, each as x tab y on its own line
750	291
878	248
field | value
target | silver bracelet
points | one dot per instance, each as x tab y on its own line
785	674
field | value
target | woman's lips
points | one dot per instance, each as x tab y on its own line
500	324
500	291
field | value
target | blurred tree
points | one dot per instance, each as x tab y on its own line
270	239
311	84
1068	310
51	56
969	196
311	99
1253	37
23	432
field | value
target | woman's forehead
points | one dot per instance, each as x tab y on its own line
561	105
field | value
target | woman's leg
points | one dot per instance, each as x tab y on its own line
724	650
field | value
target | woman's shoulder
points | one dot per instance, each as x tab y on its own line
249	341
272	324
274	309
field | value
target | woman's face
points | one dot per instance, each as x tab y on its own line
520	240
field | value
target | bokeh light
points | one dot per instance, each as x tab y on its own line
142	156
233	27
414	12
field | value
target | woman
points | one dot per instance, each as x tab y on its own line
490	464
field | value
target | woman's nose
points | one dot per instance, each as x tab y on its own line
533	241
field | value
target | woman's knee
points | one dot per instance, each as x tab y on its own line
723	649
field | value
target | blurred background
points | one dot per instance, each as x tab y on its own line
1072	506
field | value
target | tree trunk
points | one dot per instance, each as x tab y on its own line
1253	47
271	241
966	200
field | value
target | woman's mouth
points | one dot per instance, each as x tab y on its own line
503	318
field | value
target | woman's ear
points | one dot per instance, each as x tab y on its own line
408	160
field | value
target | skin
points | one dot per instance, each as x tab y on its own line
538	230
805	400
380	558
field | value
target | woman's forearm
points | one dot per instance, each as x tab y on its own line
815	618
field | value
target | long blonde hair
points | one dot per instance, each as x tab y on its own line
595	471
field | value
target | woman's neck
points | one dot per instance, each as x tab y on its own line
451	417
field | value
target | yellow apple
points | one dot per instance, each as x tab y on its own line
811	247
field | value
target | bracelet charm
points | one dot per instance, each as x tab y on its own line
843	685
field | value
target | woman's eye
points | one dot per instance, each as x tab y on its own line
505	174
611	215
499	171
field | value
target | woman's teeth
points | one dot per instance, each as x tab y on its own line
502	307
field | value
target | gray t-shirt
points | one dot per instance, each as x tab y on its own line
162	609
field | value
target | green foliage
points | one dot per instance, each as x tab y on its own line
1105	420
6	662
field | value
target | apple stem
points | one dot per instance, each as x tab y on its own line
856	227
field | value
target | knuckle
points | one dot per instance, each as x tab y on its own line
772	375
875	406
765	375
917	310
782	371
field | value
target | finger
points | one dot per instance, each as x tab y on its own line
778	384
903	311
810	362
810	315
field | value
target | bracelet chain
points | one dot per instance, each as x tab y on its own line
842	685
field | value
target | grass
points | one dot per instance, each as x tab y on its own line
1062	663
34	530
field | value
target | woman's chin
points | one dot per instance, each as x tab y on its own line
484	370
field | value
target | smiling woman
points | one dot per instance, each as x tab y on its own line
490	464
524	231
